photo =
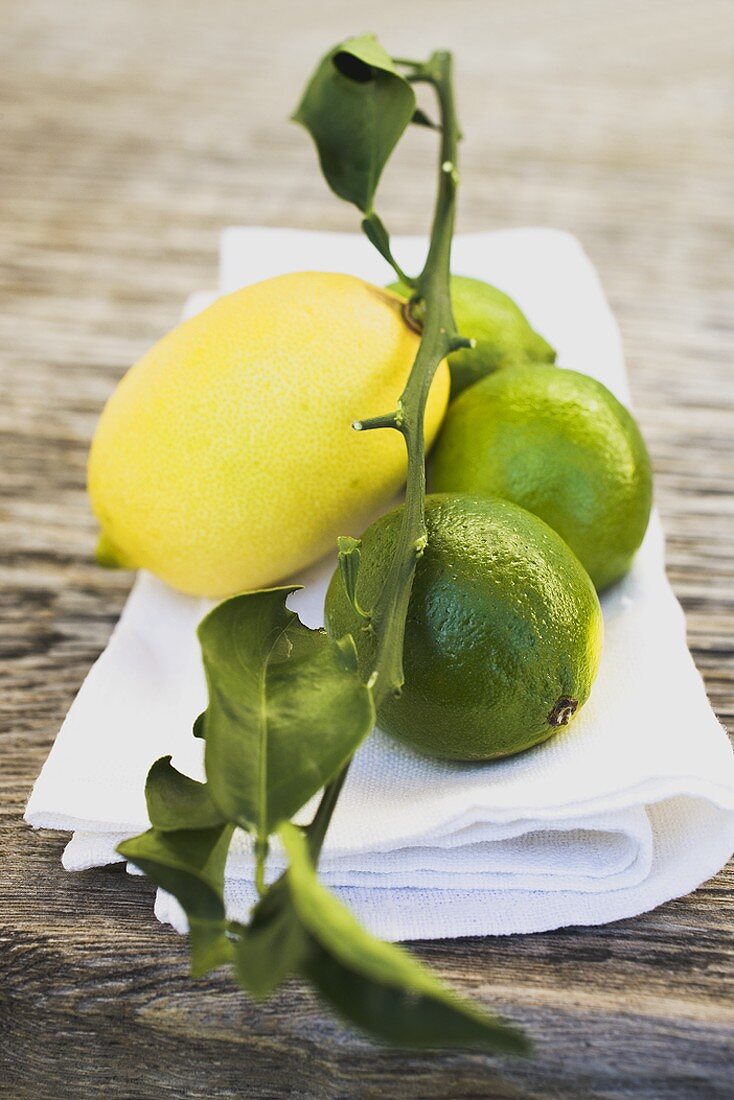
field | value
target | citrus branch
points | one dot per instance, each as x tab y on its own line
438	338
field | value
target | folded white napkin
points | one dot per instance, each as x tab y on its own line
631	806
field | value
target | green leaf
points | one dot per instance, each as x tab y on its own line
287	708
356	106
420	118
274	944
177	802
210	946
374	229
376	985
188	864
349	562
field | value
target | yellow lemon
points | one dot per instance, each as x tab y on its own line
226	458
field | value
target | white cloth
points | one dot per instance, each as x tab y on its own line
631	806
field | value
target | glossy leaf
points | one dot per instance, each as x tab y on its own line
420	118
350	557
188	864
210	946
274	944
177	802
374	229
287	708
356	106
376	985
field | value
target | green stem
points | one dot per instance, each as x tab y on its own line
261	855
439	333
319	825
438	338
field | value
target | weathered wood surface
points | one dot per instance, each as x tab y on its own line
131	131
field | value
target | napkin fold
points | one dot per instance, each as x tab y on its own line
631	806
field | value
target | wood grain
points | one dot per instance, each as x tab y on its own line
131	132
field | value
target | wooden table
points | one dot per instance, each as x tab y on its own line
131	132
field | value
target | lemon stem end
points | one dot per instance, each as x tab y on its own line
108	556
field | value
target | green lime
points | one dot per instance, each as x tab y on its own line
504	337
503	635
561	445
